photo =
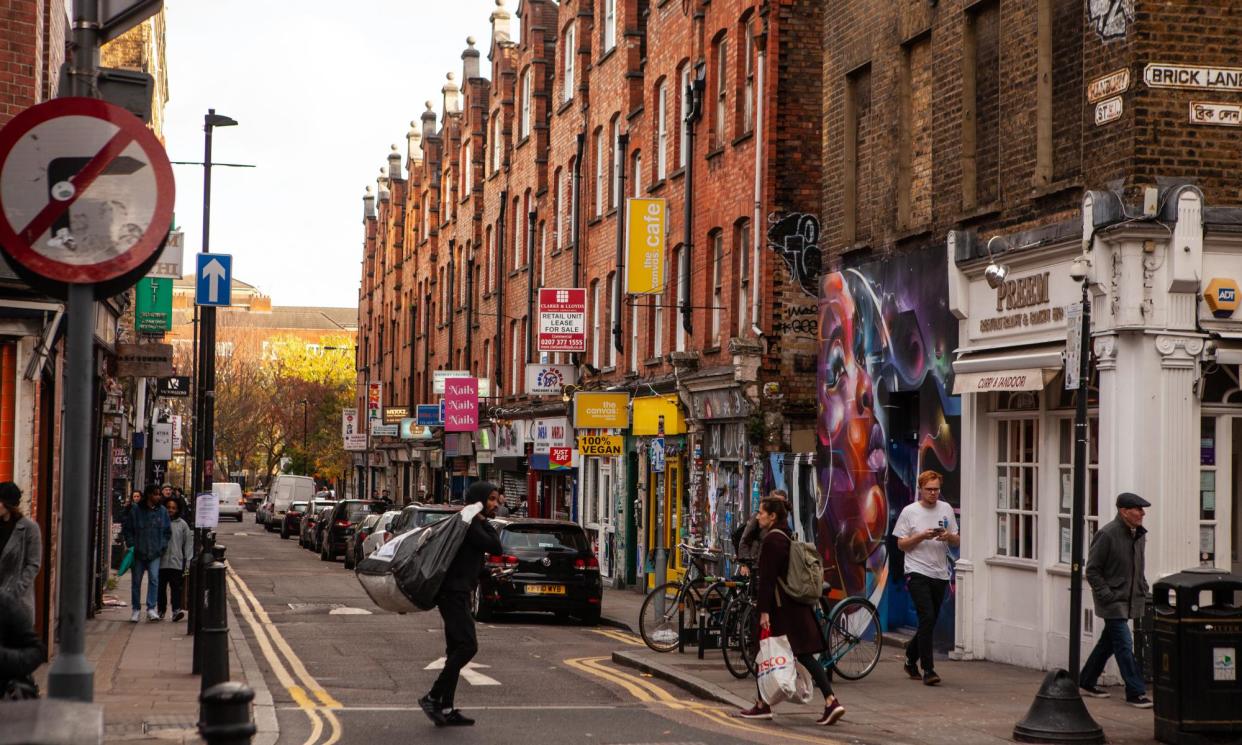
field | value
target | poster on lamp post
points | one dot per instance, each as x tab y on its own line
562	319
461	404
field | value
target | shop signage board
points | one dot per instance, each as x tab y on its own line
560	458
645	229
144	360
161	441
394	414
1161	75
176	432
87	191
549	433
174	386
1030	305
379	429
562	319
439	376
548	380
428	415
356	441
375	392
153	306
172	259
412	430
349	421
601	410
461	404
599	446
510	439
1033	379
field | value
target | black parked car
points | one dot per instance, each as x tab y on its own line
345	515
291	523
310	516
357	535
322	519
548	566
417	515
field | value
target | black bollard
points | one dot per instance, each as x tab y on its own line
214	645
202	559
224	714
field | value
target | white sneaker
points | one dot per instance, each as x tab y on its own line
133	617
152	616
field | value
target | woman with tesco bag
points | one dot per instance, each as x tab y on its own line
781	615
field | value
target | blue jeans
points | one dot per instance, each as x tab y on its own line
152	569
1115	641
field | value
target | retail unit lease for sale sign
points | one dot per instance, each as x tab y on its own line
562	319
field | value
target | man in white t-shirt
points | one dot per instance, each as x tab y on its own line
925	531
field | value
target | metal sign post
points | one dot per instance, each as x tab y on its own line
661	548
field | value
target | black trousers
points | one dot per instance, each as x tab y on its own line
170	584
460	644
928	595
822	677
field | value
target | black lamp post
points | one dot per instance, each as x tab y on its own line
305	430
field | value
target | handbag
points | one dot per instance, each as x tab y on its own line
775	668
127	561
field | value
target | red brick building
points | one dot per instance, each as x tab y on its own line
520	182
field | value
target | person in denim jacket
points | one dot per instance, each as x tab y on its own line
147	530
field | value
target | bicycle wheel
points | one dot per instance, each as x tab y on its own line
748	637
713	604
657	626
854	639
732	639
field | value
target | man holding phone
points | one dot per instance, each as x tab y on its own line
925	531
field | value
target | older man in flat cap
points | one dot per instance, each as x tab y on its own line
1115	570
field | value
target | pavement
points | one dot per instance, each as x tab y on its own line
143	679
977	702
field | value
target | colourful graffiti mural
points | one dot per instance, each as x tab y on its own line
884	382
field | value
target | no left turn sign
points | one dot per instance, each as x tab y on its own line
86	191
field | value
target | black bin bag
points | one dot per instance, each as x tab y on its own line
405	574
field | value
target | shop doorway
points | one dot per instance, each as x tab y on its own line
674	514
1220	490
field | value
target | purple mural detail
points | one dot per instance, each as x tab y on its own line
883	390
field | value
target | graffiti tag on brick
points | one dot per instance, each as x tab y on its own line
1110	18
796	238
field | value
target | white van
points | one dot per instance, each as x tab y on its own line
285	491
229	496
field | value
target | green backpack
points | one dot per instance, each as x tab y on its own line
804	579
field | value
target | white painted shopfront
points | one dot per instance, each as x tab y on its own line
1165	411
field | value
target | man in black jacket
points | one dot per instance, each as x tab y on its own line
453	600
21	650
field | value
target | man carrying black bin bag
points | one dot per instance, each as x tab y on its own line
453	600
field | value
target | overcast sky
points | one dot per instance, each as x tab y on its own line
320	90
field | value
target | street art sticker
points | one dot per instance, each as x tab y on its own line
796	238
883	388
1111	18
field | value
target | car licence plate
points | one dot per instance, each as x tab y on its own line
545	589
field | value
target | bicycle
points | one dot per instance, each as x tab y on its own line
739	614
665	609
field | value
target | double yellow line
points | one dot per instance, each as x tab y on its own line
305	686
620	636
650	693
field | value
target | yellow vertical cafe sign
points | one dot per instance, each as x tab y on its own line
644	241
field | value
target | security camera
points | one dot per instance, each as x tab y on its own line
1080	268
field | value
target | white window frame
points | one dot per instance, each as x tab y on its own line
498	141
595	323
567	83
662	131
615	164
543	253
491	260
679	329
558	239
718	258
468	170
524	122
748	88
1017	503
657	338
514	340
600	160
610	349
683	123
722	89
1065	482
743	277
610	25
637	160
634	337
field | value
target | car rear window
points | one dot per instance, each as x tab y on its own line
356	511
297	506
427	517
546	537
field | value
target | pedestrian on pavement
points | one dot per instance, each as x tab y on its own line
21	548
21	650
1116	572
147	530
454	599
781	615
175	561
925	531
503	509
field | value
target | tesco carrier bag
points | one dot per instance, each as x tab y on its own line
778	672
405	574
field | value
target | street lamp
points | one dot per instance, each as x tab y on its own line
305	448
1058	713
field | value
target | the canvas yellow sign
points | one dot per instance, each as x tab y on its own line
599	446
644	240
601	410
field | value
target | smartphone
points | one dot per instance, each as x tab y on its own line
938	531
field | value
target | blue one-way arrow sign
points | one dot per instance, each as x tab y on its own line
213	279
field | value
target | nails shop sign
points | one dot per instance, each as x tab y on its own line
461	404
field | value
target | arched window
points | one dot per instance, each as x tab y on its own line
661	107
524	122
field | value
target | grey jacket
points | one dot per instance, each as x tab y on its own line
20	562
180	548
1115	570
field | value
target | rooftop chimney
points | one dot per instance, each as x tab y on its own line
452	95
382	182
500	23
429	122
368	205
414	143
394	164
469	62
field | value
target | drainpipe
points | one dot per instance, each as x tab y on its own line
530	285
498	261
451	298
683	272
427	344
469	311
623	143
756	222
577	233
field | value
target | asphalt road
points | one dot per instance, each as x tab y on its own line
340	670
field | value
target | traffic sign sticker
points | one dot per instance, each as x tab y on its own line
86	190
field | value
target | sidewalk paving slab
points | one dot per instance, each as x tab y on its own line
978	702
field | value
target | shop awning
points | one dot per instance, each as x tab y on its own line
1012	369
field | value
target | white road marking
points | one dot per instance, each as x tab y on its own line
470	673
349	612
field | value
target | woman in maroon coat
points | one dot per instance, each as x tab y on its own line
782	615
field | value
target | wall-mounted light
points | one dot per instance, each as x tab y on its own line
995	273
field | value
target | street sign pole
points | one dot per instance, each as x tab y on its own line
661	548
71	675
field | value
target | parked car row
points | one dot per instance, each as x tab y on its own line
547	566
